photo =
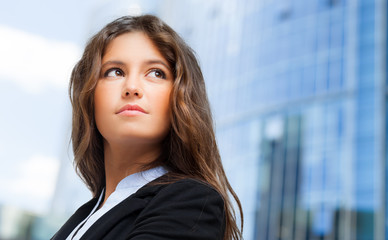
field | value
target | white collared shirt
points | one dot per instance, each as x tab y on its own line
124	189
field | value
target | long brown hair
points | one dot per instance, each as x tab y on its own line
190	149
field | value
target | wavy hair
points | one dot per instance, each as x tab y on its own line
190	149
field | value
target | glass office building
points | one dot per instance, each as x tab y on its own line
298	92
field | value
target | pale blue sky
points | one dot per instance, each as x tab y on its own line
40	42
58	20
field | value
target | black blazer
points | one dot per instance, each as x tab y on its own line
184	210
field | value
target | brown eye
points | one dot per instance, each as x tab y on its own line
114	72
157	73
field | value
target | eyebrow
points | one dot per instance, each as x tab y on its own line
113	62
148	62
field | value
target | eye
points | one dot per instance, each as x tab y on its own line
156	73
114	72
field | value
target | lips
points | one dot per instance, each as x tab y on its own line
129	108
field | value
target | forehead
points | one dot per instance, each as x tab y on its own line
133	45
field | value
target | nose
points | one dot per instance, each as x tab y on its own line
132	88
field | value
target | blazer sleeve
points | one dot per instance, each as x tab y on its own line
187	209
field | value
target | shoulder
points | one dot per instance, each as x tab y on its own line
194	209
187	186
190	190
186	192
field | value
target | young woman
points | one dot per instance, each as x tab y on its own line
143	140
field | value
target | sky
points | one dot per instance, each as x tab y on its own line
40	43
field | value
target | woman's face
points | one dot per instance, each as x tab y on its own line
131	99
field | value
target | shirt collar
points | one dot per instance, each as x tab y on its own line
141	178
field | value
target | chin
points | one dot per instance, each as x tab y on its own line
139	139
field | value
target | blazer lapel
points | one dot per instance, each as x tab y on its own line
75	219
128	209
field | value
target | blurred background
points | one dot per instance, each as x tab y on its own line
298	90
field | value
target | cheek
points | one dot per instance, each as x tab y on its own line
162	101
101	108
161	104
98	102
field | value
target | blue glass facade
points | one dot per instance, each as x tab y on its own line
298	92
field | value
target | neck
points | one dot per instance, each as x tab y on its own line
123	160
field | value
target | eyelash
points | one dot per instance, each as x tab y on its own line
121	73
155	70
113	69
